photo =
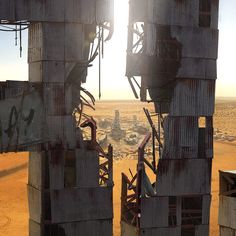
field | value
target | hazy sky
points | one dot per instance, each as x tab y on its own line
114	82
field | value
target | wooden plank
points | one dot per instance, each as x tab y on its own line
87	168
154	212
183	177
81	204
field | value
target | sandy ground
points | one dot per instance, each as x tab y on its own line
13	193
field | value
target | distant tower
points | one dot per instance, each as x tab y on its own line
172	46
116	131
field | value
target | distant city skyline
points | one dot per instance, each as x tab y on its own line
114	83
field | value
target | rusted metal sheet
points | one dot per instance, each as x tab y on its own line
87	168
174	231
154	213
69	205
62	131
183	177
227	214
198	98
22	121
54	11
181	137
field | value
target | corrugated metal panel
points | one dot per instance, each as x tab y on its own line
184	13
69	45
82	11
54	98
206	205
224	231
88	11
128	230
87	168
196	68
76	204
22	121
138	11
35	204
227	213
196	42
183	177
180	137
104	11
36	169
62	131
173	231
193	98
202	230
169	12
154	212
90	228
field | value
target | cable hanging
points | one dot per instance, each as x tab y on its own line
15	27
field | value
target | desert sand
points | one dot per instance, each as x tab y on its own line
13	167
